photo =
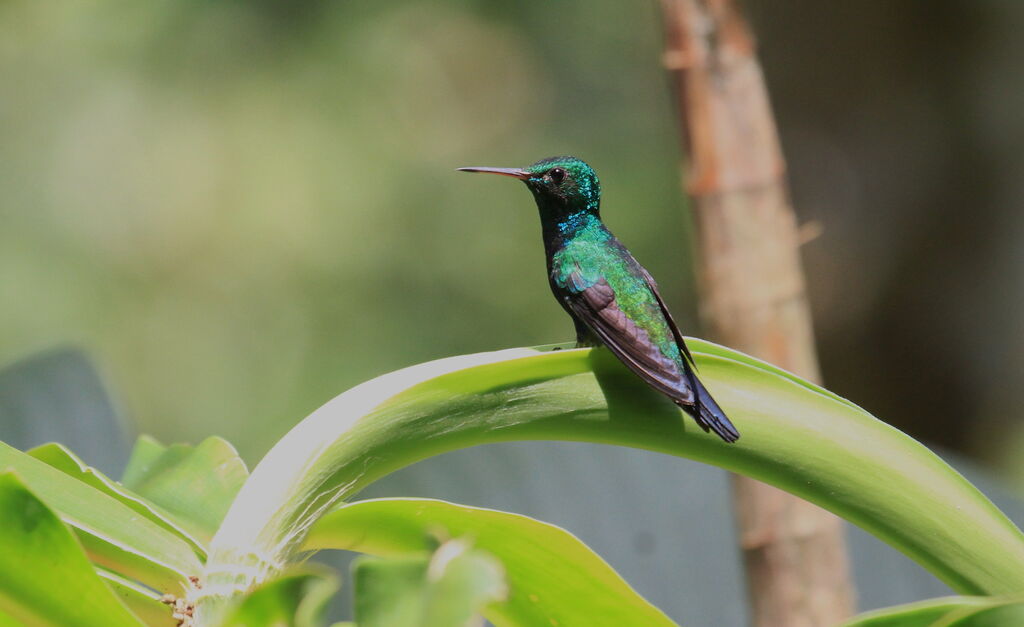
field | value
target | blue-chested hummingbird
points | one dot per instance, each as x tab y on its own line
611	298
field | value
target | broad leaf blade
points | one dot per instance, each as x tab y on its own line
947	612
1010	614
794	436
114	536
446	589
144	455
45	577
62	459
921	614
195	484
710	349
551	574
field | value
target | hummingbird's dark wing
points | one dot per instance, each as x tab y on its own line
594	303
708	414
651	283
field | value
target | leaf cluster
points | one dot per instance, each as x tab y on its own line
188	536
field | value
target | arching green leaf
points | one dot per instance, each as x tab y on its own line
64	460
552	576
946	612
795	436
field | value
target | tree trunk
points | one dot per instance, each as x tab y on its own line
752	292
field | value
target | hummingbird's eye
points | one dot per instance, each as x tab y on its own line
557	175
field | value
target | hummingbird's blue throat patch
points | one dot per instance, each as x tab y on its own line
583	222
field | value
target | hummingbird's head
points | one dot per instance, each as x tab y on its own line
561	185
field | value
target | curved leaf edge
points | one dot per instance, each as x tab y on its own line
393	526
63	459
341	437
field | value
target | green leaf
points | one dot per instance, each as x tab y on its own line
946	612
64	460
143	602
1005	615
552	575
144	456
795	436
195	484
113	535
920	614
295	599
45	577
446	589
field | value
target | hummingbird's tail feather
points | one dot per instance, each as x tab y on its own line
709	415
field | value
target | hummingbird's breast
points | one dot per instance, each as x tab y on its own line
594	255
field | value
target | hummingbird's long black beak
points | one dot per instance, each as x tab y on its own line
513	172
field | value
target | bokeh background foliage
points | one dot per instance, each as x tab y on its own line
243	208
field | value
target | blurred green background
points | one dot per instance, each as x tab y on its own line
241	209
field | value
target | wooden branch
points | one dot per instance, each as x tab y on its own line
752	291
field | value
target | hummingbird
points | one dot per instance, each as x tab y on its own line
612	300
